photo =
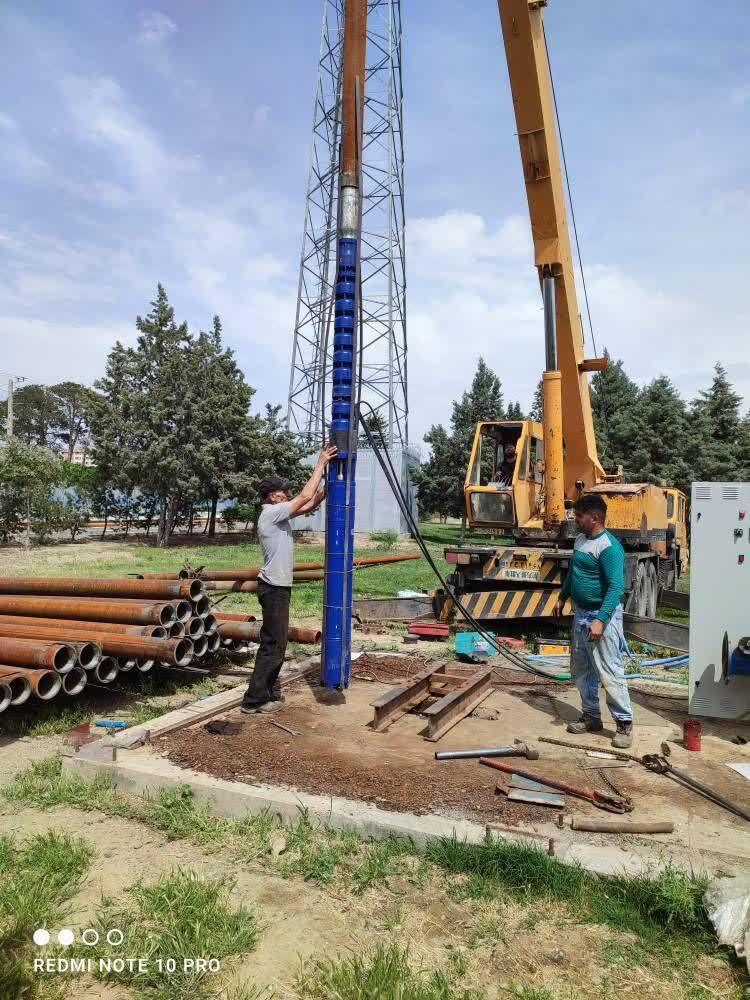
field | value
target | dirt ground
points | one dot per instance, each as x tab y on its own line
338	753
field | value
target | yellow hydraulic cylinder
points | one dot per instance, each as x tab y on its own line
554	484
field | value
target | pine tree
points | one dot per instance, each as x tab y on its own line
36	414
74	403
441	479
225	443
715	446
514	412
537	404
658	455
615	406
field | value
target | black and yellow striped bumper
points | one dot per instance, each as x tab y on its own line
499	604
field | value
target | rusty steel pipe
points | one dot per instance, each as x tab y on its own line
73	587
63	625
209	624
89	609
37	652
194	627
107	670
251	586
250	632
6	695
19	684
248	573
143	665
214	642
183	610
200	645
113	644
125	664
231	616
74	681
176	630
45	684
89	654
202	607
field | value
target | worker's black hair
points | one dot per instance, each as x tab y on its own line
591	503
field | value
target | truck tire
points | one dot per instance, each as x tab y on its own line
637	599
652	591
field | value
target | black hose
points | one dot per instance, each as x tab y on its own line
392	478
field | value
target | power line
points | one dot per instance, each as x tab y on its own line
570	194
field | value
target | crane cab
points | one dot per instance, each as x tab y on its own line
495	500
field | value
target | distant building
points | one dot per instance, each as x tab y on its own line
82	456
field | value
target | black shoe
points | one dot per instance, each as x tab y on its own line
586	724
277	695
266	708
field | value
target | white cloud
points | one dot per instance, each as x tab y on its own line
7	123
155	28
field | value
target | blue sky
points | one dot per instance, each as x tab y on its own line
169	143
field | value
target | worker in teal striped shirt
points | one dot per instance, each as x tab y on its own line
595	583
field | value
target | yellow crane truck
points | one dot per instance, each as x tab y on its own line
556	459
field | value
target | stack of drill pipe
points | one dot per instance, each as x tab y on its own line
55	633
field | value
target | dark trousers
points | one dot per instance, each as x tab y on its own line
273	639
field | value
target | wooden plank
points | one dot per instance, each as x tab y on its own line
444	714
397	702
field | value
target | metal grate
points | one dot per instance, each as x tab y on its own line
703	492
730	492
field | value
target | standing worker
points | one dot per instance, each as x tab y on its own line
595	582
276	576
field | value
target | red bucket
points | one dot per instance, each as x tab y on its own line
691	734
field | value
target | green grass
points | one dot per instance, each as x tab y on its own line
387	973
180	916
37	880
664	910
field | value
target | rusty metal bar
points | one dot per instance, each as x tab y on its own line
600	799
248	573
73	587
391	705
250	632
445	713
90	609
231	616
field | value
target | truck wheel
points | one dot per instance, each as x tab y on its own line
652	591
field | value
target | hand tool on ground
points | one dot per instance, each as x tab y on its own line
613	787
660	765
518	750
594	825
600	799
596	767
279	725
619	754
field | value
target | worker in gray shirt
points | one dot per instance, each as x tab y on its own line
275	578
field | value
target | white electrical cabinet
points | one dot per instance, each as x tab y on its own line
720	601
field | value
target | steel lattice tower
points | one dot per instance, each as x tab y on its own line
383	260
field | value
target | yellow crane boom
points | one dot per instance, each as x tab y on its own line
533	104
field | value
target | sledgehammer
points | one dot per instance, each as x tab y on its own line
519	750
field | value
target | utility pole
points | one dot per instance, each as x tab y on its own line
9	424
